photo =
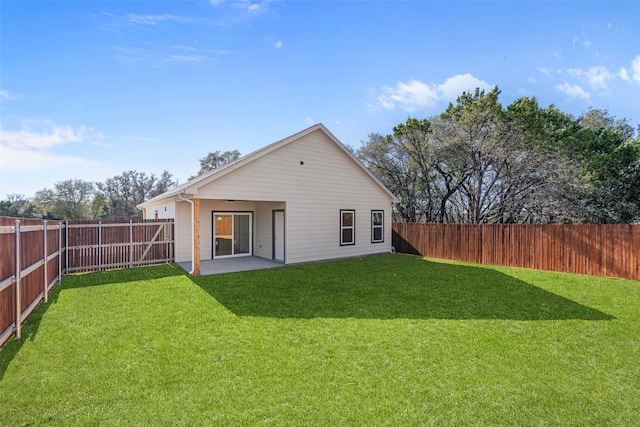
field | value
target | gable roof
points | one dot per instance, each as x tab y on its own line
190	187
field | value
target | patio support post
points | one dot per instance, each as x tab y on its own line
196	237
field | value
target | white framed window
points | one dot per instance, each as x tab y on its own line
377	226
347	227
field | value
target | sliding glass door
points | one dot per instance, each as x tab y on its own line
232	234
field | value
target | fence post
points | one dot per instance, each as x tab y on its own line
18	268
46	255
131	243
60	252
66	249
166	238
169	254
99	245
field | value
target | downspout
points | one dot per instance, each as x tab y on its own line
193	237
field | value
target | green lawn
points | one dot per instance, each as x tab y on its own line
386	340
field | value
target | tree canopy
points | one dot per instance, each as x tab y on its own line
478	162
215	159
120	194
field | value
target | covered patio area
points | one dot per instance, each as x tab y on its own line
232	265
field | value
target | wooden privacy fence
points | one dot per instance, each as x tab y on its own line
35	254
31	262
594	249
101	245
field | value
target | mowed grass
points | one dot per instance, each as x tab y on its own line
383	340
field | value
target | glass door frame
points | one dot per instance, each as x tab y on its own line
233	215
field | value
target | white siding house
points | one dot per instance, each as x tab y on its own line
303	198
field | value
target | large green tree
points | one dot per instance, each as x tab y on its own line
17	205
479	162
611	155
68	200
119	195
390	161
215	159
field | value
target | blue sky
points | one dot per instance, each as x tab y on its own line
90	89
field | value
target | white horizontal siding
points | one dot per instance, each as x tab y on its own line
262	223
263	220
315	192
183	232
166	210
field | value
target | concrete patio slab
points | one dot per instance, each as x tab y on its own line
231	265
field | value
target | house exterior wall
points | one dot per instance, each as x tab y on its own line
316	180
182	227
262	226
166	209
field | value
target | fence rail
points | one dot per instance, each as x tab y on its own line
35	254
611	250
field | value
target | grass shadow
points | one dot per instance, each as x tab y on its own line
389	287
31	325
27	332
98	278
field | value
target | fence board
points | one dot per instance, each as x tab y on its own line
49	249
611	250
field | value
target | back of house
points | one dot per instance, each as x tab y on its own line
303	198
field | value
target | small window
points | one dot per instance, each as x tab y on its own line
347	227
377	226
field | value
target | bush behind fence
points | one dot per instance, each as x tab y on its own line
611	250
35	254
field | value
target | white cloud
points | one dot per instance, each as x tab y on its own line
408	96
186	58
128	22
278	44
598	77
635	68
573	91
585	41
30	160
624	75
574	40
251	6
156	19
44	134
162	55
414	94
5	95
31	147
453	87
237	12
309	121
544	71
